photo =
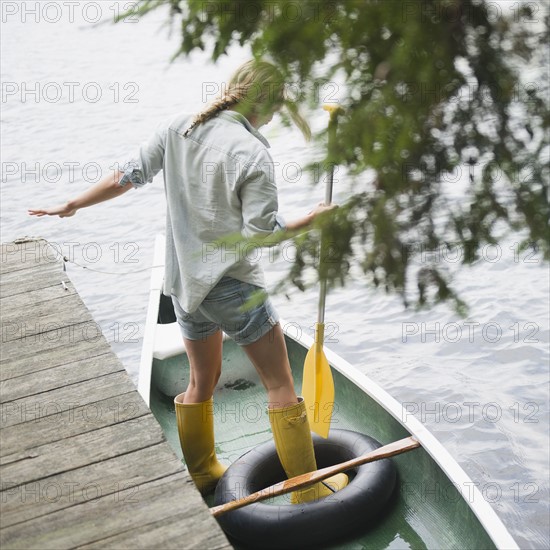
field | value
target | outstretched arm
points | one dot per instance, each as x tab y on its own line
105	189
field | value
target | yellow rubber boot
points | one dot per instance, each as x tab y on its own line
294	446
196	431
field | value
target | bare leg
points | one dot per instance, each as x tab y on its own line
205	359
194	412
288	419
270	357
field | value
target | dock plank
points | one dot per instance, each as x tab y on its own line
75	419
44	294
58	376
16	263
66	454
64	399
35	278
44	316
149	534
27	253
83	462
61	491
64	344
86	523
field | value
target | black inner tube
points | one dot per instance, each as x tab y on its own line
341	515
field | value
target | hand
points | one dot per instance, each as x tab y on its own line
306	220
63	211
320	208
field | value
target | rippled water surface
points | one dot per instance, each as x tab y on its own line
480	383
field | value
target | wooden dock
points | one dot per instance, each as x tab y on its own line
83	462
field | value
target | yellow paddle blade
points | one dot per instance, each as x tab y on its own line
333	109
318	390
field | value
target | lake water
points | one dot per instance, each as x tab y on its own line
78	98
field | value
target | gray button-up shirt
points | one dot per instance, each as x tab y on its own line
218	181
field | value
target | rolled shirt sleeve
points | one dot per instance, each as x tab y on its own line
258	194
148	161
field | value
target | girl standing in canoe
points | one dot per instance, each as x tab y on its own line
219	180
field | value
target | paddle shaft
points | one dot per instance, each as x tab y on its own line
310	478
328	200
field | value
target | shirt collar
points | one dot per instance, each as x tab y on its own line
237	117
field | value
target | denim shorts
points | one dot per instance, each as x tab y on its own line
223	309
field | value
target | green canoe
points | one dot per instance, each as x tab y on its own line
436	506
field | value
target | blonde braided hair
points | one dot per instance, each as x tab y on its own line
219	104
257	87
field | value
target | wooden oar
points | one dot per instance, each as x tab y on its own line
305	480
317	383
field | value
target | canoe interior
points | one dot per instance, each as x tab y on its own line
428	511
